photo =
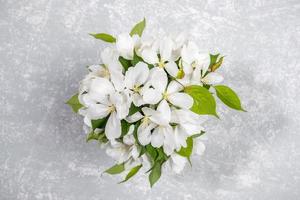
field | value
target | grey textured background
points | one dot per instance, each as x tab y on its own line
44	48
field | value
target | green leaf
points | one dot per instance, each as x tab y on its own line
104	36
96	136
228	97
132	172
92	136
187	151
204	102
136	59
138	28
98	123
215	66
125	63
116	169
155	173
213	59
161	155
151	152
133	109
124	127
198	134
74	103
142	150
135	132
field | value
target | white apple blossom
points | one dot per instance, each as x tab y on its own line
187	125
102	100
122	151
135	78
160	54
158	89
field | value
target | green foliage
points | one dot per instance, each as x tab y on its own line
138	28
155	173
97	136
215	66
157	158
133	109
124	127
104	37
198	134
125	63
74	103
136	59
215	63
116	169
98	123
132	172
204	102
151	152
187	151
137	124
228	97
213	59
161	155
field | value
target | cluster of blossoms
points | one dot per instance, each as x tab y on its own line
144	102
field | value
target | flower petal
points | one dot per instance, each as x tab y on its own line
158	79
173	87
165	49
199	147
181	100
190	53
134	152
117	77
212	78
129	139
121	101
113	127
188	120
172	68
149	55
108	55
152	96
144	134
148	111
157	138
101	86
180	137
204	61
178	162
196	76
134	118
163	116
137	75
187	68
125	45
97	111
169	139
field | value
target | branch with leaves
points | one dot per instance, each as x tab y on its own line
145	102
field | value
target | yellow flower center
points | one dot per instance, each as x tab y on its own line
145	120
111	108
104	73
165	95
161	64
136	88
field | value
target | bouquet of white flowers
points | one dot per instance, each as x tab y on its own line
144	102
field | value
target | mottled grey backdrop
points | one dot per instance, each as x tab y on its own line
44	48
